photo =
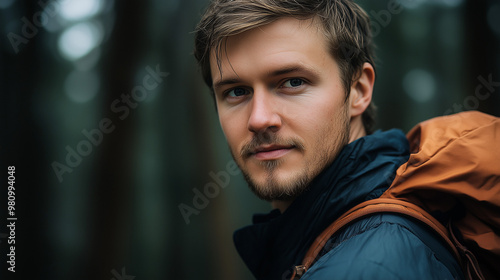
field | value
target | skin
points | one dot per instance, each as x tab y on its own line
282	106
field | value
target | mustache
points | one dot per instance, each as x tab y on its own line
269	139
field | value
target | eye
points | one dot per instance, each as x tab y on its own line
294	82
236	92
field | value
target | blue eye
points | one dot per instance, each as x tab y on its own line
236	92
295	82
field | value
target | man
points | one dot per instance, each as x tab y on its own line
292	82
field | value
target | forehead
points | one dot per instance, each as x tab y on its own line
284	41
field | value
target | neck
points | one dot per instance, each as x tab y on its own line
357	129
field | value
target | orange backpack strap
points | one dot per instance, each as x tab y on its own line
367	208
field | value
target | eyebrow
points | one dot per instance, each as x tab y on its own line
293	69
282	71
225	82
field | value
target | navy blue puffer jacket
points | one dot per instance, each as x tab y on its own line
384	246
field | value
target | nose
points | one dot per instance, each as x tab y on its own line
263	114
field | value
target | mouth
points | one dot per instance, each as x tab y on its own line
271	152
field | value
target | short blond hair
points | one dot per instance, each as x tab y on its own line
345	24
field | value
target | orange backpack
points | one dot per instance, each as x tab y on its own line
454	167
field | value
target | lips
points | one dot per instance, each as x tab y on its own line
271	152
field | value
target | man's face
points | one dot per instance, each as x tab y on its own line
281	105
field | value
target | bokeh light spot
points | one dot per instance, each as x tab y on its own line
81	86
420	85
78	40
80	9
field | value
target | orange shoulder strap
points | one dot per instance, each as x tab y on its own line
379	205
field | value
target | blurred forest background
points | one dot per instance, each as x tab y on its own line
111	211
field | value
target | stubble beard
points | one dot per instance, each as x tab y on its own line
297	183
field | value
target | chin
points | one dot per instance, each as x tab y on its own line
276	188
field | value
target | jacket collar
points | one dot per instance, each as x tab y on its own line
363	170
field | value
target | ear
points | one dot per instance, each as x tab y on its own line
361	91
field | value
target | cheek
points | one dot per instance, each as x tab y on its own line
226	128
232	128
323	116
